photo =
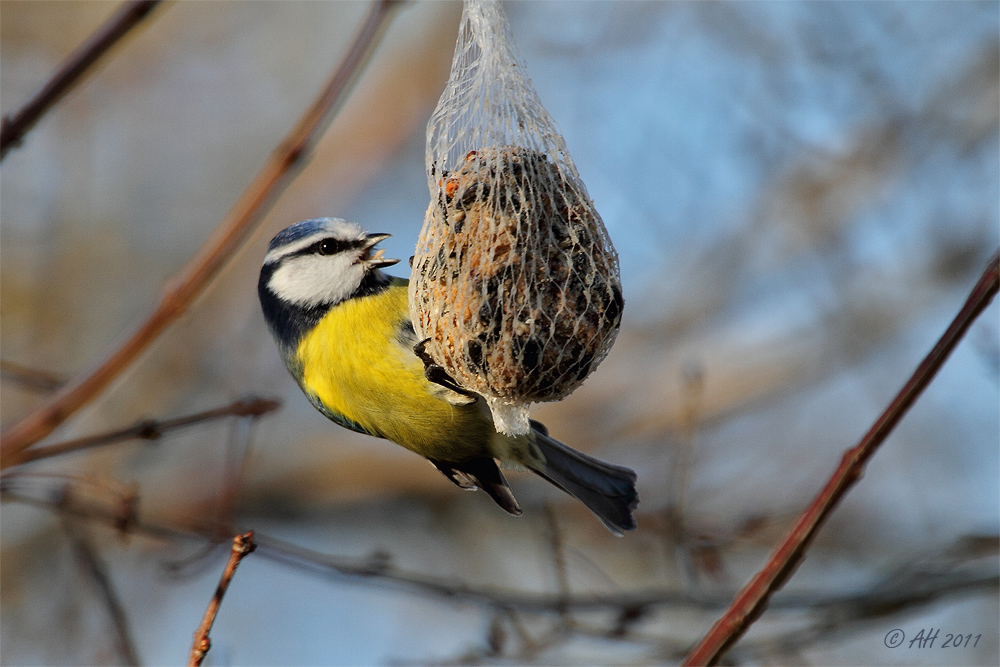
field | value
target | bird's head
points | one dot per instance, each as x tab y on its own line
322	262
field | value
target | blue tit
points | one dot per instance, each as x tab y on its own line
344	331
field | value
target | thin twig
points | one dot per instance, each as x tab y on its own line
151	429
238	449
909	587
897	589
750	602
558	561
274	177
526	601
92	564
681	542
71	71
31	379
242	546
528	644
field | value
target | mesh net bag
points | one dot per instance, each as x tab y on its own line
515	289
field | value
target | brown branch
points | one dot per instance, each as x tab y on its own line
242	546
71	71
750	602
31	379
151	429
270	182
92	564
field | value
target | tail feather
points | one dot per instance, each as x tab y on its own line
606	489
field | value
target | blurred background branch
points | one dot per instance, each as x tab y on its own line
967	564
97	572
152	429
15	126
32	379
270	182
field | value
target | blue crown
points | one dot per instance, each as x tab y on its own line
298	231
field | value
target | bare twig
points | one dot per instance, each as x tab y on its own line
270	182
242	546
749	604
93	566
558	561
903	590
682	543
31	379
899	588
151	429
71	71
237	456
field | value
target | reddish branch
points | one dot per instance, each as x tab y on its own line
242	546
750	602
273	178
71	71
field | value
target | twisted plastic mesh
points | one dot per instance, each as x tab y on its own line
515	283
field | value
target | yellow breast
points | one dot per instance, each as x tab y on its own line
355	366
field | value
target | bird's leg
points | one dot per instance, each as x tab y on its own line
435	373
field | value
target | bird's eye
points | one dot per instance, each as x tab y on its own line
328	247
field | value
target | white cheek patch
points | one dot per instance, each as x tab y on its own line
311	280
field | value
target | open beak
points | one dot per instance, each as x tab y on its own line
374	259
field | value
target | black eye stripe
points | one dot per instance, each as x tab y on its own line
328	246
